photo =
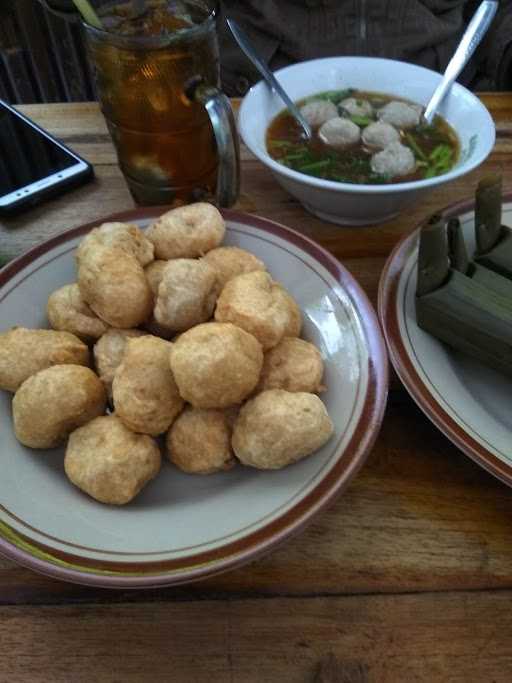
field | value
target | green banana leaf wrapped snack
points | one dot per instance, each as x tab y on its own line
493	240
462	302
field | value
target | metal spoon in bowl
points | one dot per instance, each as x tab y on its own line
476	30
272	81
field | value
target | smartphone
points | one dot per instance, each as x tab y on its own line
33	164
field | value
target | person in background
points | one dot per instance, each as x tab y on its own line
425	32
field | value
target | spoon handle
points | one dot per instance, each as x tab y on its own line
272	81
474	33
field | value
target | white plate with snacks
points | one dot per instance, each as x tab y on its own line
470	403
183	527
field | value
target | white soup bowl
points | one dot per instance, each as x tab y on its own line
352	204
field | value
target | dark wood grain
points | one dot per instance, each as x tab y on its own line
406	577
456	637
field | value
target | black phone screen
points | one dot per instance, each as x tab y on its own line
26	155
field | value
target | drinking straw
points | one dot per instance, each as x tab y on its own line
88	13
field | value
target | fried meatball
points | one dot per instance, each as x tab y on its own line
154	277
278	427
400	114
187	294
216	365
294	324
293	365
317	112
114	285
339	133
109	462
379	135
67	311
199	441
260	306
187	232
108	353
52	403
394	161
154	272
125	236
232	261
357	107
24	352
145	394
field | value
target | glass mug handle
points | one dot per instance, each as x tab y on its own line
226	137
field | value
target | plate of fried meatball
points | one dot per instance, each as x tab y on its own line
180	391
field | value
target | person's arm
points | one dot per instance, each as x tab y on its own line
494	56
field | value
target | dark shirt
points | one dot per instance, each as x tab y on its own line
425	32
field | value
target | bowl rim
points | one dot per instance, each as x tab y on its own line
354	188
57	564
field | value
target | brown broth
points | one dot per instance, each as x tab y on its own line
286	144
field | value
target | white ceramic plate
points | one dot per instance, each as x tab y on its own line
184	527
469	402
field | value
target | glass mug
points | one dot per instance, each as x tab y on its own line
173	129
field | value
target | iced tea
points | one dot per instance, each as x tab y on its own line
144	66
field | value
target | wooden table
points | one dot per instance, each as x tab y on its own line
408	577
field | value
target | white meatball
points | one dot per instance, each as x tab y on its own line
318	112
356	107
339	133
379	135
400	114
395	160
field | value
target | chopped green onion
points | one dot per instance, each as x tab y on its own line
441	160
297	156
334	96
361	120
419	153
440	152
281	143
426	128
314	167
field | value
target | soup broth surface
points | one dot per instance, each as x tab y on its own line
435	147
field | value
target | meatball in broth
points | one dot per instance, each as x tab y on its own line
363	137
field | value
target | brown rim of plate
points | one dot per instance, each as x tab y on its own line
405	368
234	554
